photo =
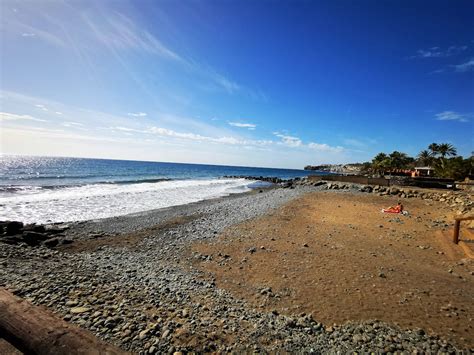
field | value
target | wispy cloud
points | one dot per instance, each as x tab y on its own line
437	52
72	124
296	142
166	132
451	116
41	107
197	137
322	147
464	67
289	141
120	34
127	129
137	114
359	142
250	126
5	116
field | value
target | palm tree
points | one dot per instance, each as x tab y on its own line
434	149
380	162
446	149
443	150
399	160
425	157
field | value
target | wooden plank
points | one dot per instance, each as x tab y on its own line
464	218
35	330
456	231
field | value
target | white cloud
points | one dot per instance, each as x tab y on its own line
250	126
451	116
289	141
228	140
58	113
26	34
322	147
465	67
137	114
41	107
437	52
127	129
72	124
5	116
295	142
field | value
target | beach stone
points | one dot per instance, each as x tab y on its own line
143	334
165	334
79	310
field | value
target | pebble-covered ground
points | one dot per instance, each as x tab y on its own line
145	296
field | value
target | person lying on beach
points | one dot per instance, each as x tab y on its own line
394	209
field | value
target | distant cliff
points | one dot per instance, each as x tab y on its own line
337	168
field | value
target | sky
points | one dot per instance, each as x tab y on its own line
254	83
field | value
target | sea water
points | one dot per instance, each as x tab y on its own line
47	189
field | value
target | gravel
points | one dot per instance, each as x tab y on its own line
149	299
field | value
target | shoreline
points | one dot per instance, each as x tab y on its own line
148	295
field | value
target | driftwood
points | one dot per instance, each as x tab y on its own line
34	330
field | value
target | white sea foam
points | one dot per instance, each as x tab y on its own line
108	200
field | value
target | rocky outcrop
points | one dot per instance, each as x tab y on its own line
15	232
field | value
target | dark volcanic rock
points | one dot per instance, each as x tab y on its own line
12	227
34	238
52	242
11	239
51	229
34	228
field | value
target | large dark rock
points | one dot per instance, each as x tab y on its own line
52	229
319	183
34	238
52	242
11	239
12	227
34	228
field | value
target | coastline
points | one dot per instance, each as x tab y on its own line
149	295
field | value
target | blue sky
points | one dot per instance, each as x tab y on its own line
257	83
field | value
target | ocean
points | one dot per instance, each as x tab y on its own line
50	189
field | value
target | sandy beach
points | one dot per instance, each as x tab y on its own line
302	269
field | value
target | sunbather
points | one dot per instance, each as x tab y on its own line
394	209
